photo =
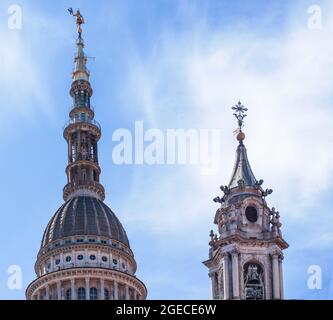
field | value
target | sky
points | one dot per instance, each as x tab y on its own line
172	64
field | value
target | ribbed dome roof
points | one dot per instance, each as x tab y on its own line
84	215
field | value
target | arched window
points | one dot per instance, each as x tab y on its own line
81	98
106	294
87	100
81	294
76	98
69	294
93	294
73	153
254	281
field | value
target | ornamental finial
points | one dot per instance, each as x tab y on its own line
240	115
79	20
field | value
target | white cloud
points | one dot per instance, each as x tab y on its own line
26	67
20	86
286	82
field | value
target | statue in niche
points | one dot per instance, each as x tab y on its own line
253	282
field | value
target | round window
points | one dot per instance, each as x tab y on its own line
104	259
92	257
68	258
57	261
115	261
80	257
251	214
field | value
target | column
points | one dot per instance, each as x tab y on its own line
281	278
102	289
276	277
89	150
99	257
59	297
61	260
78	150
38	295
219	284
226	277
73	290
51	263
70	156
235	275
214	285
135	295
86	257
126	292
110	260
47	293
87	288
116	292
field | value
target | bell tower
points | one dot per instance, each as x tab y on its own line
245	257
82	132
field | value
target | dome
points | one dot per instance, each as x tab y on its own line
84	215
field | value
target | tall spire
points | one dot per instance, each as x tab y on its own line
82	132
80	71
242	173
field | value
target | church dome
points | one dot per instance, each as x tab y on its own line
83	216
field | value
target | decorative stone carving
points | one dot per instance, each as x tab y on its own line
253	282
246	241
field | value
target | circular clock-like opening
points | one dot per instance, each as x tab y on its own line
251	214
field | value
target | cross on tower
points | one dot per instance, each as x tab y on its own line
240	114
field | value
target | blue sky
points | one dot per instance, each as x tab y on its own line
172	64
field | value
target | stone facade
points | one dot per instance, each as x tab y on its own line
245	257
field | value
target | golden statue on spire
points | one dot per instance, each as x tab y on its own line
79	20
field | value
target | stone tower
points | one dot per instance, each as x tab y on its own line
85	253
245	258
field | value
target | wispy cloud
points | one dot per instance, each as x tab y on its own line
26	66
195	75
285	81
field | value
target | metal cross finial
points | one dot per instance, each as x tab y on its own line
240	114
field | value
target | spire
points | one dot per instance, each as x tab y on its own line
80	71
82	132
242	173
